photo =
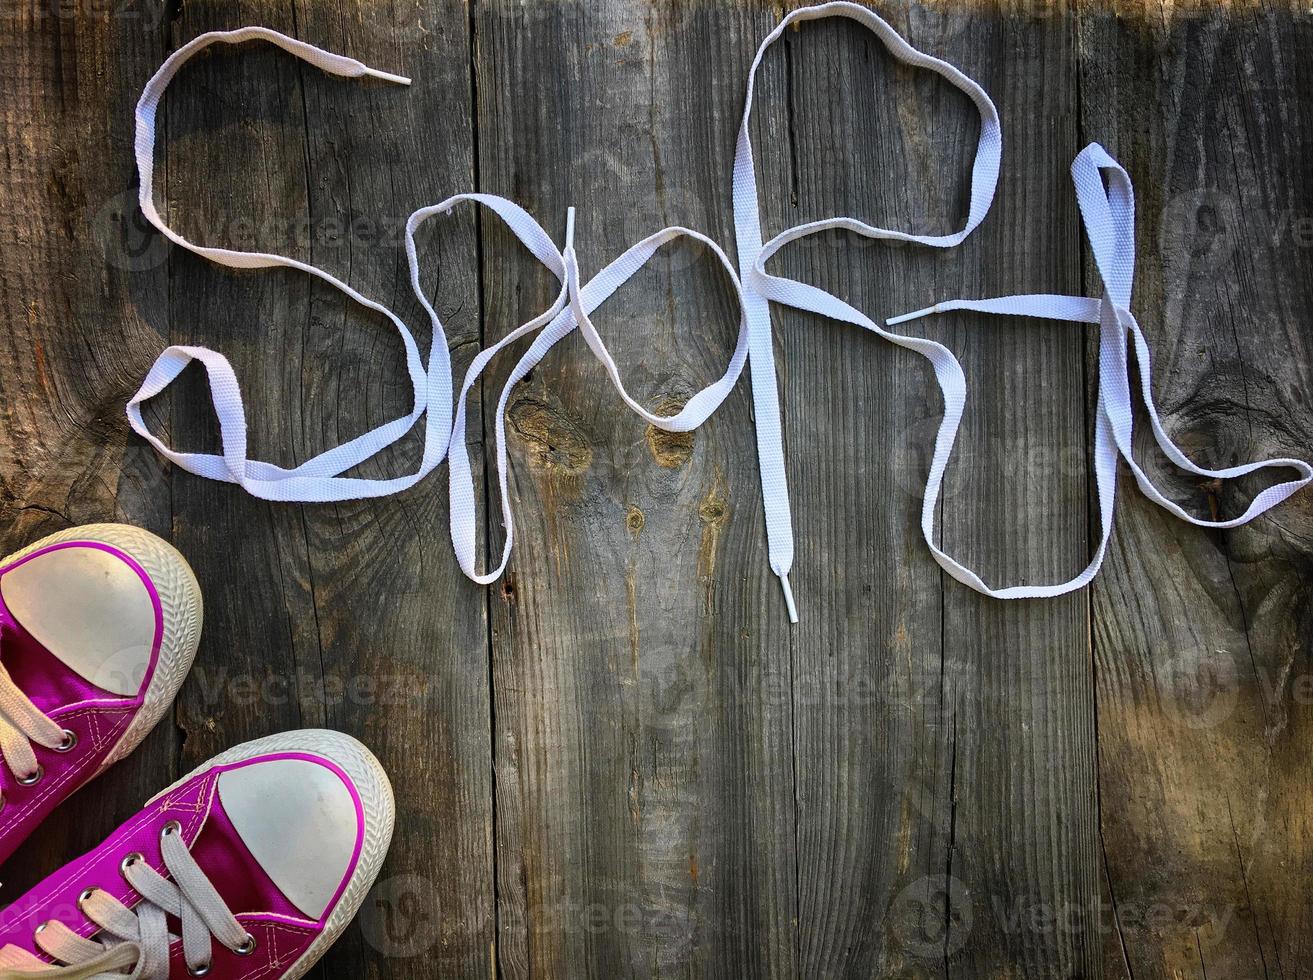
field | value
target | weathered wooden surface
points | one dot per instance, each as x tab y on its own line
620	761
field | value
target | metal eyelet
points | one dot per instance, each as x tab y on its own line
33	779
135	857
199	971
247	947
85	897
170	828
70	741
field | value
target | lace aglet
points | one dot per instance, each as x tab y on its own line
387	76
895	320
569	228
788	597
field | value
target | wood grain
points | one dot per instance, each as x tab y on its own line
643	756
1201	638
355	603
620	761
79	290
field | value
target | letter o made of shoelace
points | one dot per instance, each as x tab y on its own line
584	300
572	308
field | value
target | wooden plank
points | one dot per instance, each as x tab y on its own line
80	296
352	616
913	782
944	779
1023	840
870	633
1201	637
641	667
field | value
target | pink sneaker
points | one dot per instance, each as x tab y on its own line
98	628
249	867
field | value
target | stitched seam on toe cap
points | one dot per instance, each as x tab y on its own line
64	777
166	805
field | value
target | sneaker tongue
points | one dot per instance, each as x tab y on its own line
234	872
39	674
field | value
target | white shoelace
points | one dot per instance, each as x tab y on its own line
134	943
572	309
1108	212
320	479
21	724
760	288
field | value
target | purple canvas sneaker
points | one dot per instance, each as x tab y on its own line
98	628
250	867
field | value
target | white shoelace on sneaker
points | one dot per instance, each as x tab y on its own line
320	479
134	943
21	724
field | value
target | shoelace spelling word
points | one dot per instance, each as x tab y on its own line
761	288
134	943
1109	226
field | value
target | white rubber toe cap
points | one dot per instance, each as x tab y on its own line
300	822
81	600
90	609
292	829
